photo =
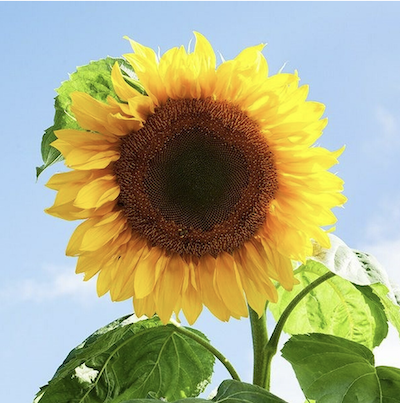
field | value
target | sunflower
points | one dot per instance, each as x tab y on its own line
203	190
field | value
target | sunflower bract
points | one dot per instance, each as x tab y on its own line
201	192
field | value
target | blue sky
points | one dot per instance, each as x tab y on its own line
347	53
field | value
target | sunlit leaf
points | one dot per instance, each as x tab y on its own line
392	309
335	307
188	400
128	359
358	267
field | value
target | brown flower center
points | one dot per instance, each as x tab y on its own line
197	178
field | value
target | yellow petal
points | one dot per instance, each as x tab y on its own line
141	107
252	62
121	87
229	286
191	304
86	151
236	78
145	273
88	140
145	64
168	287
57	181
145	306
74	244
95	232
92	114
103	231
209	296
104	281
97	192
256	299
136	250
121	273
205	60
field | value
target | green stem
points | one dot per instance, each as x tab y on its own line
271	346
260	336
225	362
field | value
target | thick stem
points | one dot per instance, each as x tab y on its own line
271	347
260	337
207	346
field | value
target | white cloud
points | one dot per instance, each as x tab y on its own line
54	282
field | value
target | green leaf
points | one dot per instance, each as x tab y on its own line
378	312
335	307
235	392
335	370
389	378
231	391
392	308
129	358
95	80
188	400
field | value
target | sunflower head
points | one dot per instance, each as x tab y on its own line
202	190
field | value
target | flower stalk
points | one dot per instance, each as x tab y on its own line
259	335
265	349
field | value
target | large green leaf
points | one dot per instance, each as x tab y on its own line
389	378
188	400
95	80
150	400
128	359
335	307
237	392
335	370
230	392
